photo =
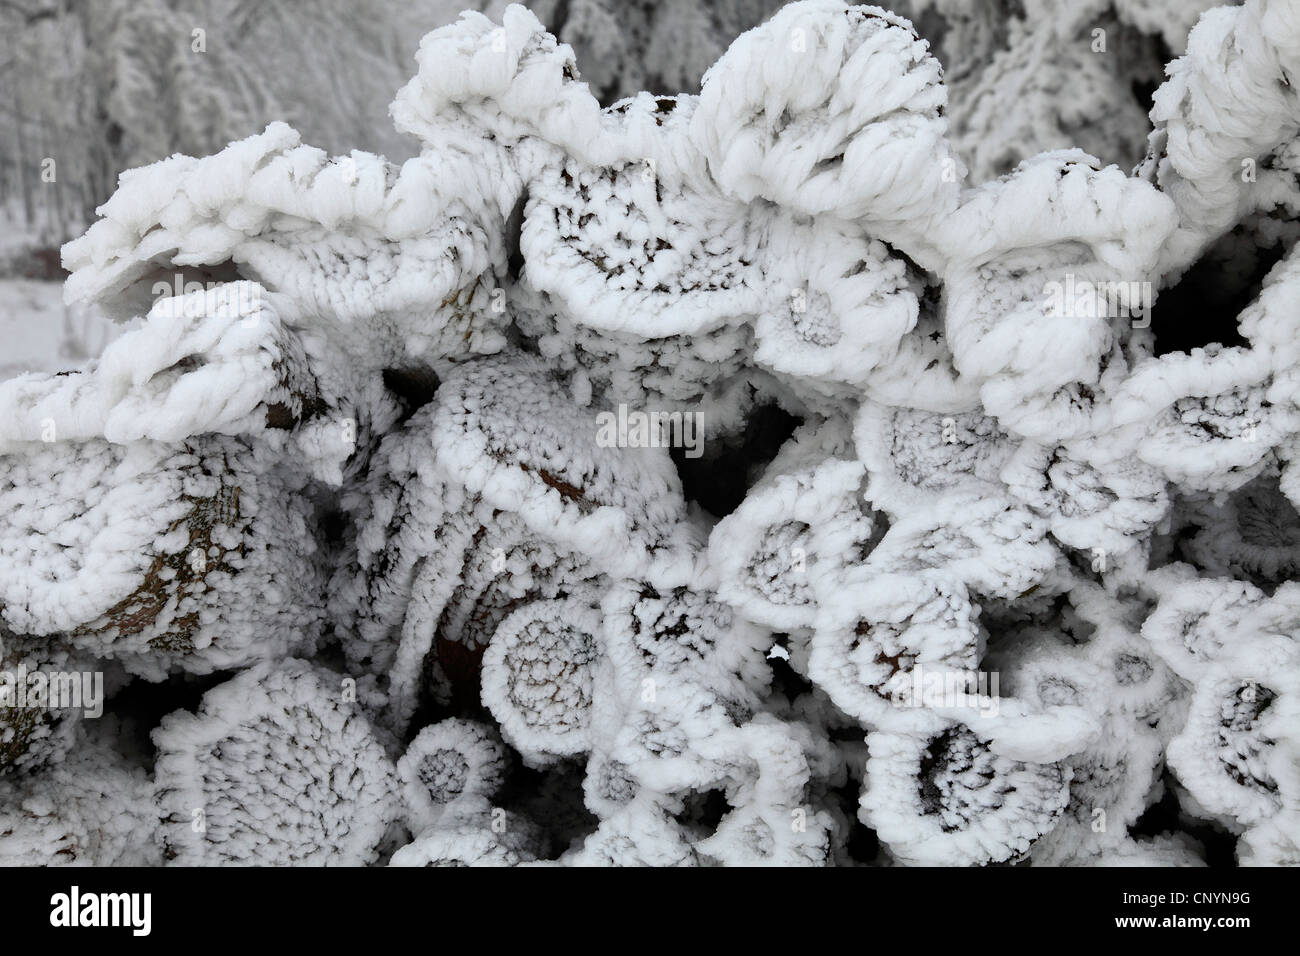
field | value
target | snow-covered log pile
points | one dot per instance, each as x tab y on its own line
704	479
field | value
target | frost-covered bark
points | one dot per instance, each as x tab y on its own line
968	557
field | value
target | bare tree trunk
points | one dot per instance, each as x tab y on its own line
20	142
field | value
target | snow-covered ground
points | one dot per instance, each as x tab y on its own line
38	333
31	325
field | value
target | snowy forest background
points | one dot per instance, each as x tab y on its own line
101	86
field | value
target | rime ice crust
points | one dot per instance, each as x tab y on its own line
275	769
371	429
92	809
194	556
448	765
